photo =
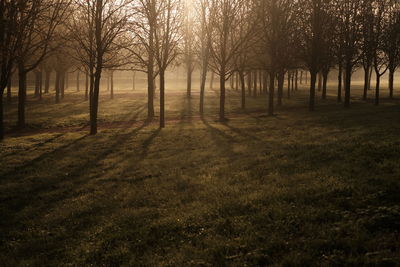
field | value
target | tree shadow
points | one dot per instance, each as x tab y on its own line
222	140
51	190
146	143
241	132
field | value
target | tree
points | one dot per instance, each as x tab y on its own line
142	46
349	19
9	43
312	18
367	45
166	36
392	41
204	41
226	43
188	39
98	31
380	57
38	21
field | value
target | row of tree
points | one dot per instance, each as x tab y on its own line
231	38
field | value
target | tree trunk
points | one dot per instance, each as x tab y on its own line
189	81
95	102
86	86
222	95
292	81
150	72
312	90
288	84
391	82
77	81
21	97
265	83
296	81
40	85
111	76
370	78
339	90
203	86
162	99
237	81
37	81
1	115
366	81
57	85
9	98
324	83
271	93
301	77
347	86
62	87
249	83
66	80
134	81
47	82
378	82
319	81
243	85
108	81
150	92
281	78
255	80
212	80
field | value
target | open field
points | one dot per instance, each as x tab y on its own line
295	189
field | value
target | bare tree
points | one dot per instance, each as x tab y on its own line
39	20
349	19
98	30
9	43
392	39
380	57
312	18
142	48
204	41
226	42
166	36
189	39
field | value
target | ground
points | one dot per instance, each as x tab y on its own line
294	189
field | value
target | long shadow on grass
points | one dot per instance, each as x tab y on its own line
241	132
31	196
42	157
40	144
146	143
221	139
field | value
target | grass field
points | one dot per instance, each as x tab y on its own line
294	189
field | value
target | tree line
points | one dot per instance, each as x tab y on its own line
255	44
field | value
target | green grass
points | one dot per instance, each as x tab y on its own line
295	189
